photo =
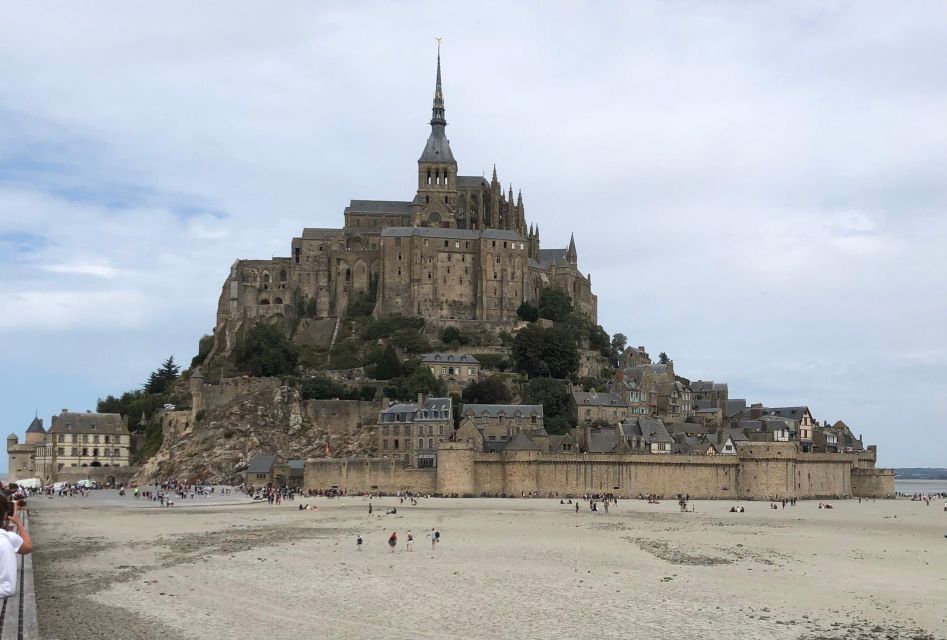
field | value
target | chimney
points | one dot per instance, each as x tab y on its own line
420	399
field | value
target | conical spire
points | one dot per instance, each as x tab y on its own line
572	257
494	172
437	111
437	148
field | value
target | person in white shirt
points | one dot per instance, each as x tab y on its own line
11	544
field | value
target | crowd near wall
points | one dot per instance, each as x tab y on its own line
760	471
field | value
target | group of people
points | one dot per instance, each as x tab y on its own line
435	537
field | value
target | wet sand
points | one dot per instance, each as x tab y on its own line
226	568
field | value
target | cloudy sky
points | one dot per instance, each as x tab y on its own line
757	189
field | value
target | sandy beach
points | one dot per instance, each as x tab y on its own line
505	568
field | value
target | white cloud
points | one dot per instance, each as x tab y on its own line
756	190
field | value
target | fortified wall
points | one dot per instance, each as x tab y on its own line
759	471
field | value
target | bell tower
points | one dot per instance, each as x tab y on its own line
436	199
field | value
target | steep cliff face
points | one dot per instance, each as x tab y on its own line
238	419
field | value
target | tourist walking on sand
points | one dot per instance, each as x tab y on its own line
409	543
369	508
358	542
393	540
435	537
576	506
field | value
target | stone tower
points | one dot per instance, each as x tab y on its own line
436	200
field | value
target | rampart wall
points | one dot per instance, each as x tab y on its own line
760	471
873	483
358	475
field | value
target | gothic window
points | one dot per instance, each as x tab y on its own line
429	176
446	200
277	301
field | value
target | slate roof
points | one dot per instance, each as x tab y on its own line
450	234
598	399
704	386
735	406
448	358
551	256
412	411
36	426
793	413
653	430
521	442
508	410
437	147
296	465
74	422
472	181
314	233
378	206
602	440
261	464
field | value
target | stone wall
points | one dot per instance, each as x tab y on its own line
873	483
103	475
360	475
760	471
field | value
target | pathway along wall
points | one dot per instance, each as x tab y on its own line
759	471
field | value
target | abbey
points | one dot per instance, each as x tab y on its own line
459	251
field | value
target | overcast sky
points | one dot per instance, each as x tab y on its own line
757	189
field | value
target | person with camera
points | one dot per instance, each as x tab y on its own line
11	544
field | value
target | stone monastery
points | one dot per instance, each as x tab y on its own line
459	250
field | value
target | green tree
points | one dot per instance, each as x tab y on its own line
453	336
540	352
619	343
554	304
528	312
388	365
265	350
159	381
490	390
599	340
555	397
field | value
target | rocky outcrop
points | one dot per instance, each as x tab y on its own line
238	419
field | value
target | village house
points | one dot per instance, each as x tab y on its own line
592	406
498	424
633	357
89	440
457	371
627	387
802	415
411	432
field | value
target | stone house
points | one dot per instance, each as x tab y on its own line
592	406
800	414
644	434
627	387
714	394
498	424
410	432
633	357
259	472
457	371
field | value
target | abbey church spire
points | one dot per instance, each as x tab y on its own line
434	205
437	148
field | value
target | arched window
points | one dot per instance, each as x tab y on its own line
429	176
277	301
